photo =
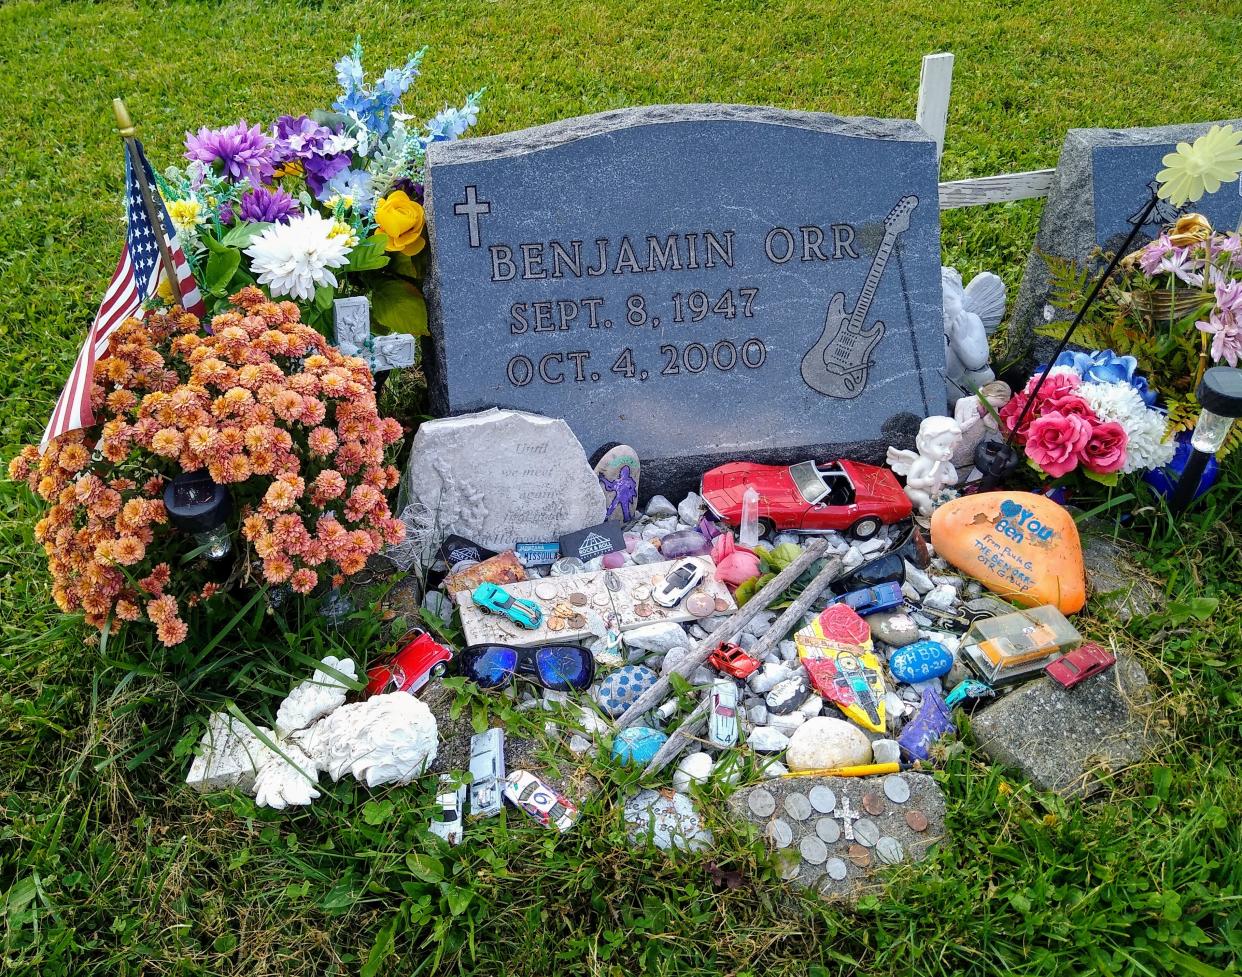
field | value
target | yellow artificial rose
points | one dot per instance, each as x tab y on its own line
403	221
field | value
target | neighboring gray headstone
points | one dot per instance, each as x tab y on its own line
1102	183
1064	739
665	277
500	477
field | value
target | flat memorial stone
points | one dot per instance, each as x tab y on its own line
701	282
1101	185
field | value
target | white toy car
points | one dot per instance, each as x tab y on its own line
680	580
447	823
722	719
540	800
487	771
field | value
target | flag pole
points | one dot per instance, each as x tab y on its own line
125	126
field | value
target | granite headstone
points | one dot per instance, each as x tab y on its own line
1103	182
702	282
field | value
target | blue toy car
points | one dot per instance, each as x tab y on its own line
872	600
496	600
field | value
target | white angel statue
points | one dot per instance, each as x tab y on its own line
928	470
971	314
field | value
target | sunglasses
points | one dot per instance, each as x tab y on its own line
560	668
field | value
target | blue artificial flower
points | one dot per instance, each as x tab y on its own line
451	123
1105	366
349	69
354	184
373	107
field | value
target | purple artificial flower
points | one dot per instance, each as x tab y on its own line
1229	297
321	169
299	138
411	189
265	206
1151	255
237	151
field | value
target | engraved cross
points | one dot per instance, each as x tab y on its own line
473	208
847	817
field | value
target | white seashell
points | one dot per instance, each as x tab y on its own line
985	297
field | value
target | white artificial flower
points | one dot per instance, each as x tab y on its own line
1144	426
295	258
338	143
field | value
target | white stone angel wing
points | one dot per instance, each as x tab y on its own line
900	460
314	698
985	297
280	783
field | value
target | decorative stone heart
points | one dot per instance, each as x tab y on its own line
1019	545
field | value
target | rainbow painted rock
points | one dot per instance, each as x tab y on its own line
1019	545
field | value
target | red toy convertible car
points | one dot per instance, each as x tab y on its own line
420	658
809	497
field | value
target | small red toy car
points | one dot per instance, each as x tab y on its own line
412	667
1079	665
809	497
732	660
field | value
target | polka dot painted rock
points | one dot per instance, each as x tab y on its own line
920	661
622	688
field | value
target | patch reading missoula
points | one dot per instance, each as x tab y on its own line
677	279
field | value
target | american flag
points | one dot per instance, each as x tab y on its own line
134	281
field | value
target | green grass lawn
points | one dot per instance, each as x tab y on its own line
109	866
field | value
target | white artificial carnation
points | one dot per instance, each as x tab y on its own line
1144	426
295	258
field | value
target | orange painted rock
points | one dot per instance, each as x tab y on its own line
1022	546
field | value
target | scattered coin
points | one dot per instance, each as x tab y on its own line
700	605
823	799
644	610
837	869
761	803
578	599
828	830
577	622
889	850
798	807
896	789
873	803
813	850
600	600
545	591
917	820
779	833
722	605
859	856
564	609
640	593
556	624
866	832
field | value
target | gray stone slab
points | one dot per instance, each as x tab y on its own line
1117	585
1101	183
818	872
558	250
1063	740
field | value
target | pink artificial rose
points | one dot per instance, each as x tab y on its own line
1057	387
734	564
1105	452
1056	441
1069	404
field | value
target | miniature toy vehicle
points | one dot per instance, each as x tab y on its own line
722	719
450	802
540	800
420	658
495	599
809	497
1015	647
1079	665
680	580
968	693
732	660
487	771
872	600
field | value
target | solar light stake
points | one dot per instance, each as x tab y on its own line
197	505
1220	397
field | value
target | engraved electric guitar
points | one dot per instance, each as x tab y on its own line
837	365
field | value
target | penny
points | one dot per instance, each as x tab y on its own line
556	624
828	830
866	832
779	833
545	591
640	593
761	803
823	799
798	807
700	605
577	622
836	869
889	850
917	820
564	609
722	605
896	789
813	850
873	803
859	856
644	610
578	599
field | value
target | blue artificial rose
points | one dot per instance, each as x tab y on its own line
1105	366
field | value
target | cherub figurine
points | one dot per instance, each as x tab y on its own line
977	421
929	471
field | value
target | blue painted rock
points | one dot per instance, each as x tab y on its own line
920	661
620	689
637	745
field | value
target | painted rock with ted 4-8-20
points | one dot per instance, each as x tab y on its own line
1019	545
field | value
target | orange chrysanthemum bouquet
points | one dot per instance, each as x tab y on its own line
267	408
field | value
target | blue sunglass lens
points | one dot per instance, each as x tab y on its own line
493	666
562	667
